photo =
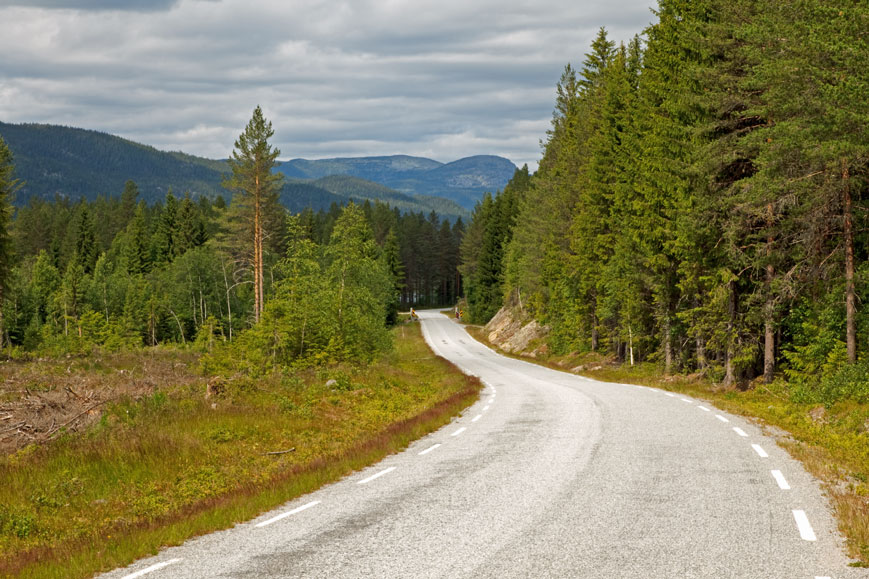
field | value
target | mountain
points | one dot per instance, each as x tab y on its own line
77	163
463	181
55	160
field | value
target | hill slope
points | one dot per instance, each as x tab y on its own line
77	163
82	163
463	181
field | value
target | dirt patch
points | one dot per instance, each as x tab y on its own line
42	398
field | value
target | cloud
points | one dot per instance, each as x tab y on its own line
444	79
138	6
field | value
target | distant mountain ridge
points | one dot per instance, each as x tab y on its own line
77	163
463	181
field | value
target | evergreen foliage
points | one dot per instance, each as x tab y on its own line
702	198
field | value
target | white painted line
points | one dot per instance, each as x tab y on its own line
151	569
721	418
704	409
670	394
760	451
806	531
686	400
374	476
429	449
288	513
476	418
739	431
485	408
459	431
780	479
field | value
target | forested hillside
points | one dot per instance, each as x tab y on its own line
702	199
76	163
119	272
463	181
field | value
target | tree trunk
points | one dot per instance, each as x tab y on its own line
729	377
769	306
699	342
850	296
594	334
257	255
668	344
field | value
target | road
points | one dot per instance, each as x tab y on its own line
548	475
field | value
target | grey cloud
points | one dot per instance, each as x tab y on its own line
137	6
443	79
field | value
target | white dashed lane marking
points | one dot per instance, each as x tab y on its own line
704	409
759	450
429	449
739	431
780	479
806	531
476	418
374	476
151	569
721	418
288	513
459	431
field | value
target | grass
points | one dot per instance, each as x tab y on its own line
832	443
174	464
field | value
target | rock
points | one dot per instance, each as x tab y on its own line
331	383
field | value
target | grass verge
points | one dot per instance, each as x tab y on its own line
832	443
156	471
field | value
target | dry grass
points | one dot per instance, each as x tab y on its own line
172	464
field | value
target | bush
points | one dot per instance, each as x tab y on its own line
849	382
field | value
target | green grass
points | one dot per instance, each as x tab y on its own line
832	443
159	470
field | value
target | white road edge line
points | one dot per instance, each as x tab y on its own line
151	569
459	431
780	479
486	408
287	514
686	400
806	531
374	476
670	394
476	418
704	409
739	431
429	449
721	418
759	450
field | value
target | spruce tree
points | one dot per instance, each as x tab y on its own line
8	186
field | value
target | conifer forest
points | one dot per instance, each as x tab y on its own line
701	203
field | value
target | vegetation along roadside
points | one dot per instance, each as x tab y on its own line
177	463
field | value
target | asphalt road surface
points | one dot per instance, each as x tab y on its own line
548	475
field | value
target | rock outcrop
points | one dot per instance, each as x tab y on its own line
515	333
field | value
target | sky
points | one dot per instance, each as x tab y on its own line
443	79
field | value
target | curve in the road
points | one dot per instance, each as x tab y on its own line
548	475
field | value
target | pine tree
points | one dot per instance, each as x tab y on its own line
252	177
